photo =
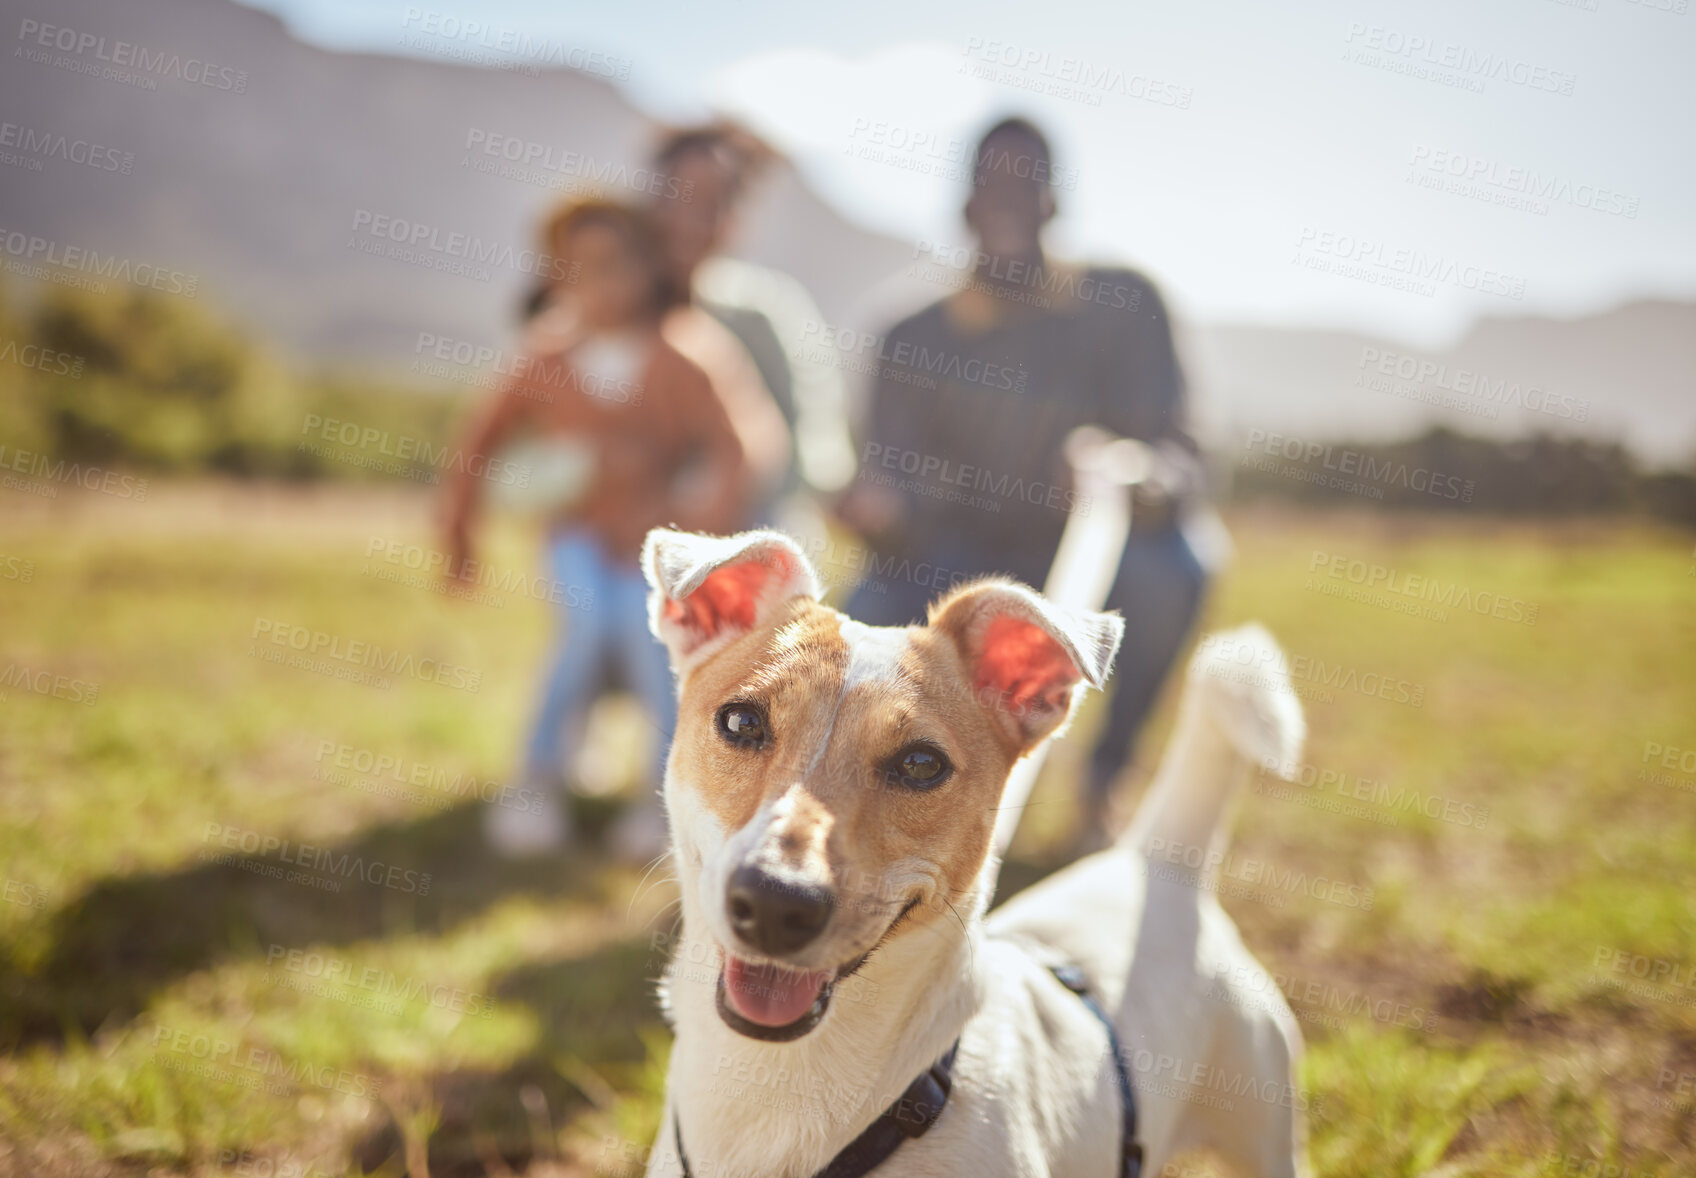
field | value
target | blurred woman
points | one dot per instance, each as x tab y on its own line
618	433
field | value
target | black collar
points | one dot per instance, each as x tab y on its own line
912	1115
917	1109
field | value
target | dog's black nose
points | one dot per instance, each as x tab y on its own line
775	915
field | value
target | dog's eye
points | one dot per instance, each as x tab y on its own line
742	724
920	766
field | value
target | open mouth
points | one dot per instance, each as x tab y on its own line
776	1004
772	1003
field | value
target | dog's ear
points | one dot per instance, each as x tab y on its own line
704	590
1028	658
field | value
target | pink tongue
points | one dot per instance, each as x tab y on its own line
769	994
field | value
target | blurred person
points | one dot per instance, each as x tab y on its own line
703	175
698	175
981	389
743	365
619	433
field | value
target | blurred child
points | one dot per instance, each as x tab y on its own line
618	433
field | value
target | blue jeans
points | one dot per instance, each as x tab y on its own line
1158	588
610	621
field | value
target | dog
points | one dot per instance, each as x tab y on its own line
831	792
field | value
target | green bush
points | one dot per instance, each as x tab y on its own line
139	380
1442	470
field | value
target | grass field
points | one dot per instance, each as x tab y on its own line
1480	895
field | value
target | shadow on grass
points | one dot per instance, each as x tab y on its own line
592	1010
128	936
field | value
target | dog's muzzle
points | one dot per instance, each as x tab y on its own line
769	1001
774	917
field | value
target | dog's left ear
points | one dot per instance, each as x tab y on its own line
705	590
1029	659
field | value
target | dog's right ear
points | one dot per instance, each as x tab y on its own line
1029	659
706	590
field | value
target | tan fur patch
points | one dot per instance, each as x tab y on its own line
835	723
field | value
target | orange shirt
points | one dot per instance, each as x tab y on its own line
664	449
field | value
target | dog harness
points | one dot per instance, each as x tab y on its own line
1130	1149
917	1109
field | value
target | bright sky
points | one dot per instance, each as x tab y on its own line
1264	162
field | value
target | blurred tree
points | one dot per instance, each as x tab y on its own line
1442	470
162	385
145	380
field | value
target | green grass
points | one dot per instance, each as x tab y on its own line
166	1011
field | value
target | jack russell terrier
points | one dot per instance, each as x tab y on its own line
844	1004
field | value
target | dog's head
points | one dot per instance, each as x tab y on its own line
832	785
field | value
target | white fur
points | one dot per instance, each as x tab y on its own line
874	653
1034	1090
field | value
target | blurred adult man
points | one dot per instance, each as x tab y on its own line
708	171
961	467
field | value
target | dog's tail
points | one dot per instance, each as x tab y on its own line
1238	710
